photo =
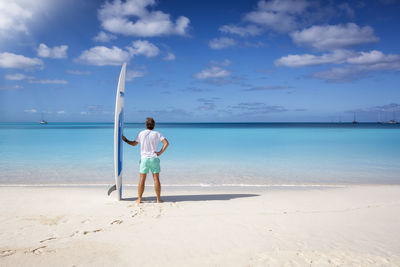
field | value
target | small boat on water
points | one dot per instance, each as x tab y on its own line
42	121
354	120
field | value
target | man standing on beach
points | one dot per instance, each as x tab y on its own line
149	160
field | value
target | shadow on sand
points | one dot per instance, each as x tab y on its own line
205	197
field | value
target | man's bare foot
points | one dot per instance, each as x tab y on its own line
139	200
160	201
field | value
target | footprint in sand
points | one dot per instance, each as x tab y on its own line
117	222
85	221
8	252
94	231
47	239
37	251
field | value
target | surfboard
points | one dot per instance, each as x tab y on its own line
118	131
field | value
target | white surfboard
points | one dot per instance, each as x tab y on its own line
118	131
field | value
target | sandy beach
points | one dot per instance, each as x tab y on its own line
72	226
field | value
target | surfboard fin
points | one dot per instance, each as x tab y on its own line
112	188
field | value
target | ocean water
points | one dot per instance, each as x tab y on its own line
205	154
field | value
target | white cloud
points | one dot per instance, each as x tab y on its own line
334	36
278	15
61	112
49	81
17	77
19	16
115	56
55	52
373	57
170	56
143	48
212	72
10	60
250	30
221	43
115	17
13	17
31	79
30	110
336	57
103	56
104	37
133	74
78	72
359	65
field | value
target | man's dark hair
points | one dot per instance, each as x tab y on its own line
150	123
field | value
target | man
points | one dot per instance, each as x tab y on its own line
149	140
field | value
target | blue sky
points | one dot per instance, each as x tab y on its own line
200	61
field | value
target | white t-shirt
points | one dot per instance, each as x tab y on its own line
149	140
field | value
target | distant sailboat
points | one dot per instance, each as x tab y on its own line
354	120
393	121
43	121
379	118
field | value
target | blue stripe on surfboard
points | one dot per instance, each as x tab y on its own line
120	119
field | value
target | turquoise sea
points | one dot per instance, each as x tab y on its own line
206	154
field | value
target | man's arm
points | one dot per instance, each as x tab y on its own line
132	143
164	147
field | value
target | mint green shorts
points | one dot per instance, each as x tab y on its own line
152	164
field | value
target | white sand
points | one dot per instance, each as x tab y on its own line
351	226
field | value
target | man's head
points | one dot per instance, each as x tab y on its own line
150	123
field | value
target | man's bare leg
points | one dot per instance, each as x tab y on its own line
141	187
157	186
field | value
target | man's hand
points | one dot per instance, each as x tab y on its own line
124	139
159	153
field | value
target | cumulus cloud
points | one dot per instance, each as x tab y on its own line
14	61
104	56
278	15
143	48
104	37
249	30
212	72
55	52
19	16
13	17
354	65
336	57
373	57
169	57
221	43
339	74
334	36
133	17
